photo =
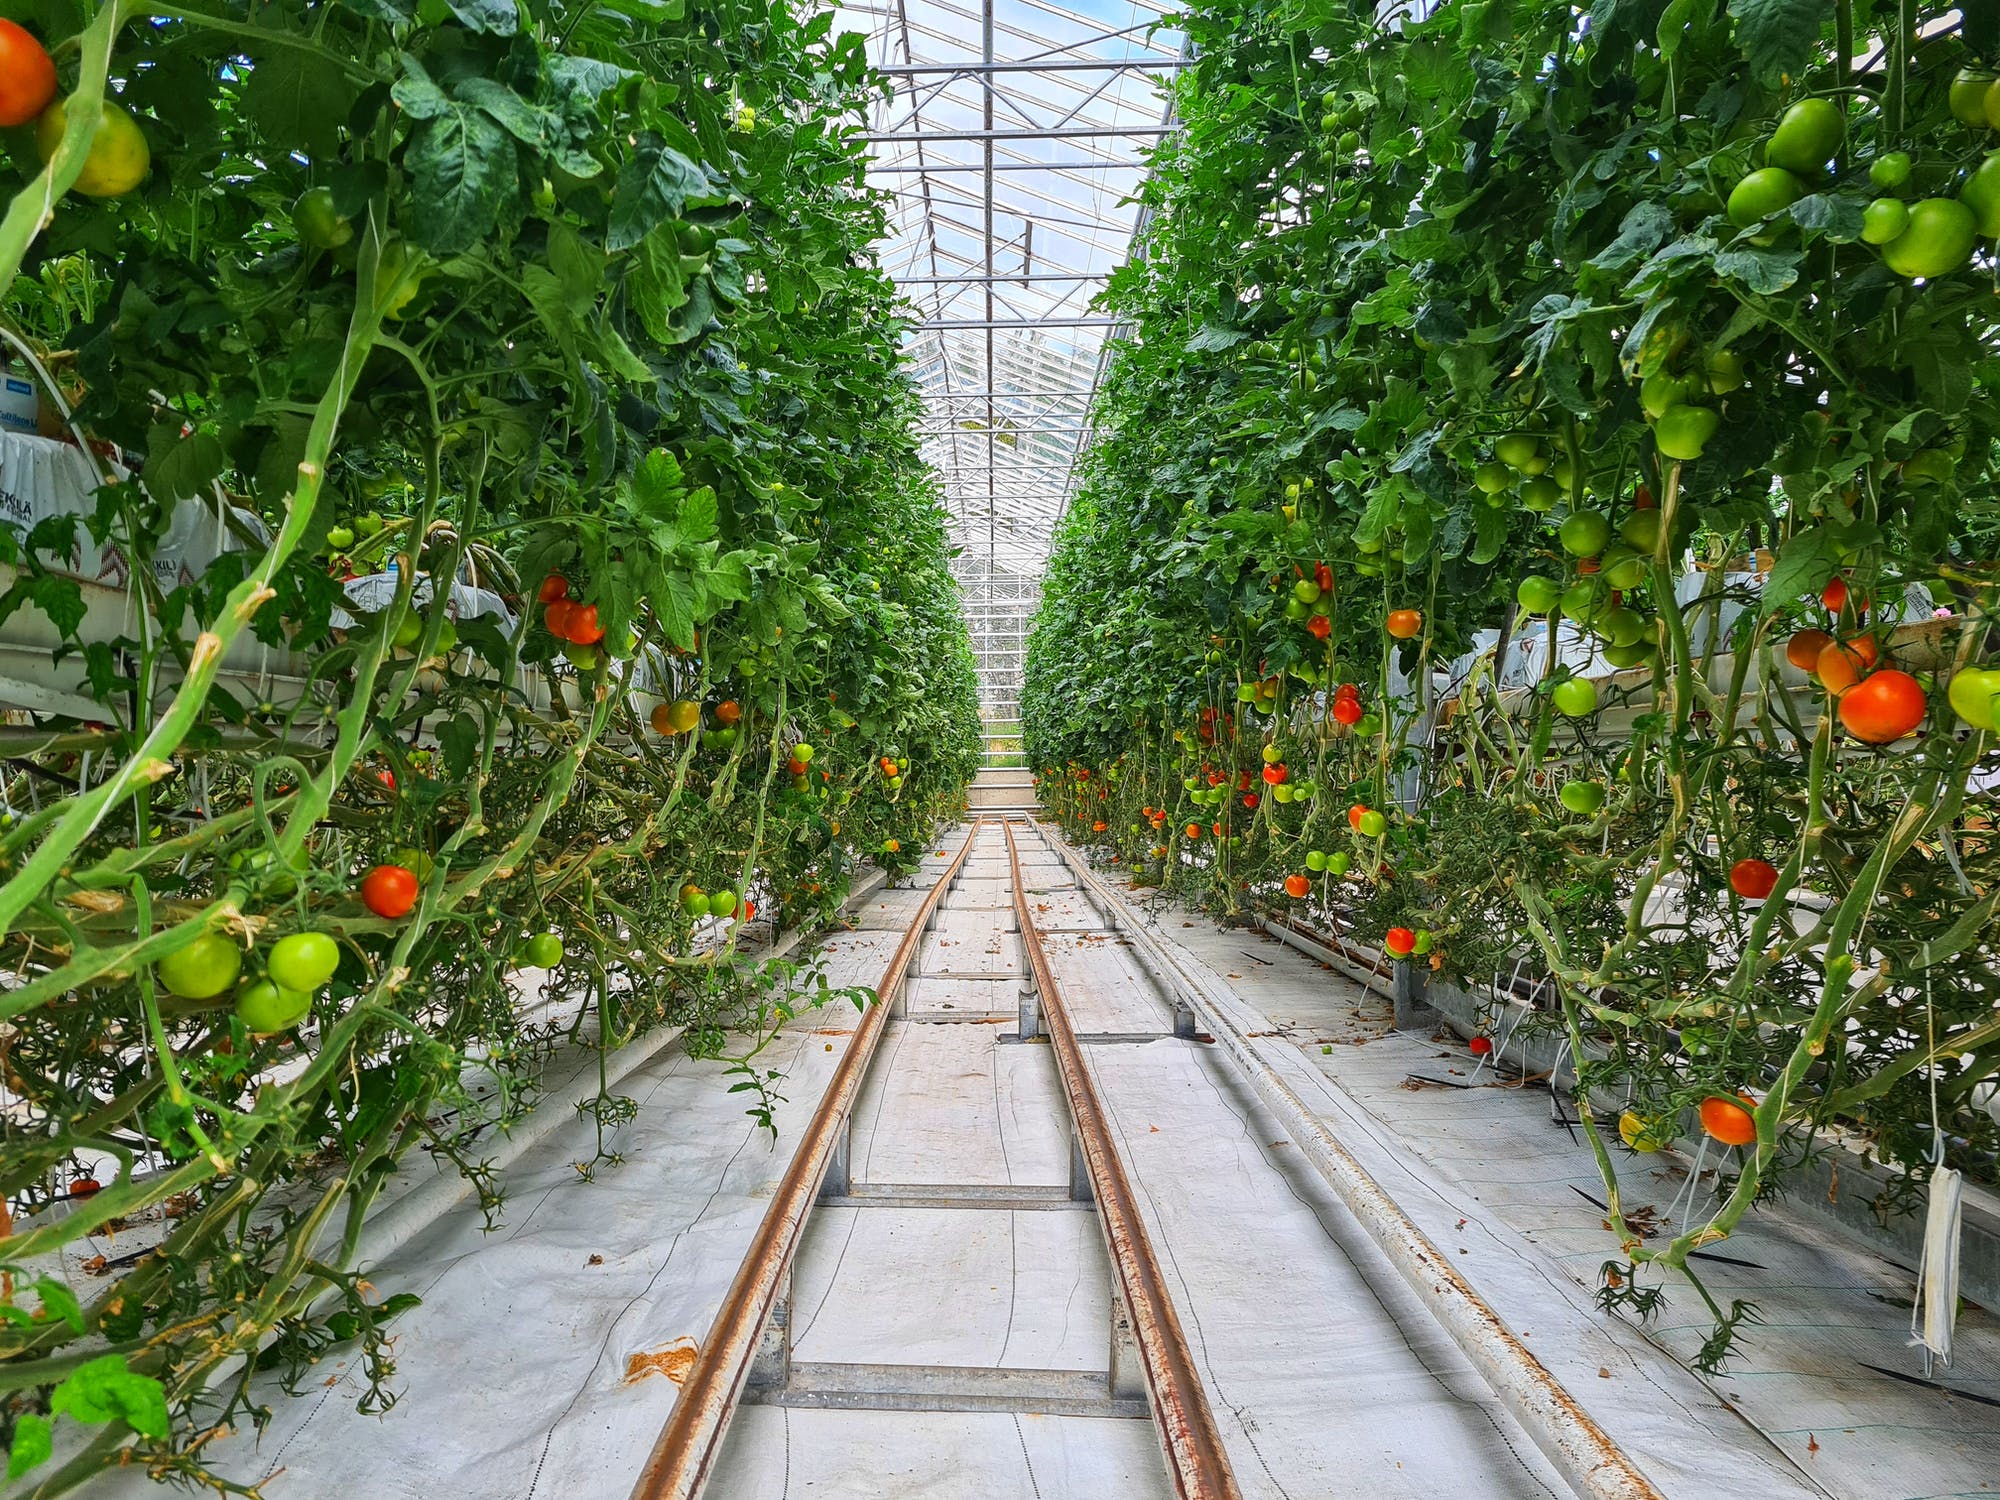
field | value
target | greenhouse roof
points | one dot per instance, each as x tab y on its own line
1013	143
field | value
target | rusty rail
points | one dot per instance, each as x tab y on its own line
686	1450
1586	1455
1196	1462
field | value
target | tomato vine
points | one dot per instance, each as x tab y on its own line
1666	331
409	307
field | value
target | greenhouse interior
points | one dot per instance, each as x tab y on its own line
997	750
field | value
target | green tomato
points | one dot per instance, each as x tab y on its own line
409	630
1968	98
1540	494
1975	697
1683	432
1316	861
1518	450
1423	941
543	951
1635	655
1939	240
1337	864
1808	135
303	961
1584	534
1537	594
264	1007
802	753
1641	530
1891	170
1981	194
369	524
340	538
584	658
695	903
722	903
1621	627
1623	568
1368	726
1767	191
319	224
1660	391
203	969
1725	371
1883	220
1582	797
1492	478
1373	824
1575	697
1587	598
1306	591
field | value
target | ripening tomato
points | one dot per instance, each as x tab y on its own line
1728	1120
1193	830
554	587
1297	886
1803	649
1842	664
1753	879
119	156
1100	826
728	712
1883	706
389	890
1834	595
1399	941
1403	624
27	76
1354	816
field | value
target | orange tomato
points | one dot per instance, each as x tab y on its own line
1728	1120
1399	941
1842	664
728	712
1753	879
27	76
1404	623
556	618
583	628
1883	707
1297	886
1803	649
554	587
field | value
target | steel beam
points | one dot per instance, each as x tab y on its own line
1066	133
1054	65
979	323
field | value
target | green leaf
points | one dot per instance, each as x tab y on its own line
1765	271
61	599
105	1390
60	1301
674	604
658	487
699	518
179	468
34	1443
1778	36
1804	564
298	101
654	185
729	579
463	171
1214	338
530	126
1491	522
494	17
1644	229
1831	214
459	738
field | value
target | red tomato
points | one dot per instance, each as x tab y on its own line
1099	826
1347	710
1250	800
556	618
1275	775
1753	879
389	890
1404	623
583	628
1297	886
27	76
1834	595
1320	626
1323	576
1882	707
1729	1121
387	778
1347	690
554	587
728	712
81	1187
796	767
1480	1046
1399	941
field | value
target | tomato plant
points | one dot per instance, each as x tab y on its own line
519	321
1668	337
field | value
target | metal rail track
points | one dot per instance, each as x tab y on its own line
1197	1466
1581	1450
686	1451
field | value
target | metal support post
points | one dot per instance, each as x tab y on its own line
1407	984
839	1179
1079	1172
771	1365
1126	1374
